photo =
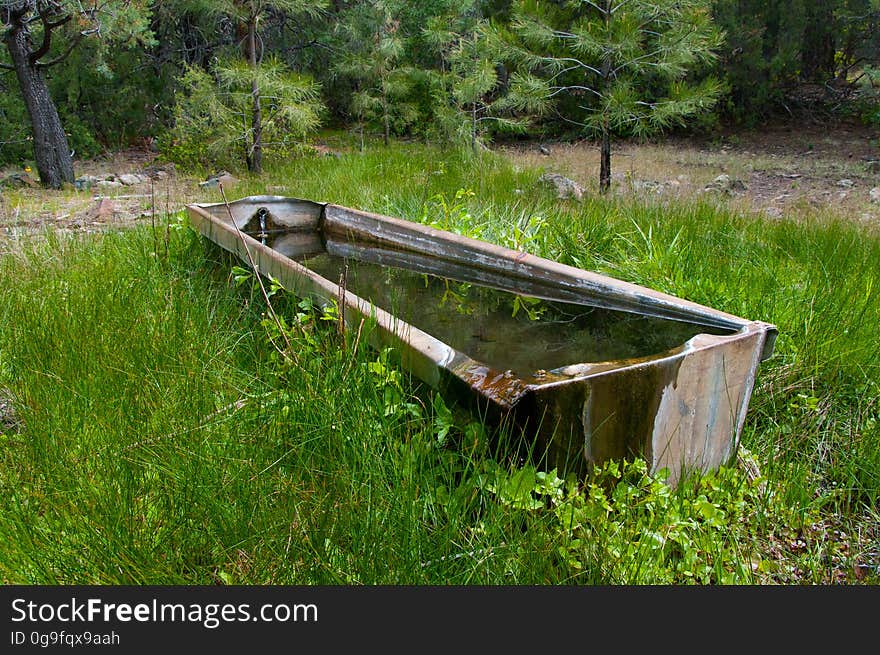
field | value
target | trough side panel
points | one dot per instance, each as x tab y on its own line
593	288
684	412
701	412
419	352
282	212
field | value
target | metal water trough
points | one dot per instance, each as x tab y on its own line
681	408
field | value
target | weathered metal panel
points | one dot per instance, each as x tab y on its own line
586	286
682	409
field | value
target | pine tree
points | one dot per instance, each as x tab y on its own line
39	34
373	48
627	62
474	89
257	94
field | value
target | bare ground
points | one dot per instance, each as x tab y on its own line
785	170
26	211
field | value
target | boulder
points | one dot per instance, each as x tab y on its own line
647	186
725	184
84	182
20	180
130	179
108	184
565	187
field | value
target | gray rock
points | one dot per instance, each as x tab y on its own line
19	180
222	177
108	184
565	188
725	184
9	420
85	182
874	195
130	179
845	183
651	186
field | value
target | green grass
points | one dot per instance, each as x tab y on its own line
165	440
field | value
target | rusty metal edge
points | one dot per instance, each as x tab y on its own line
425	347
621	295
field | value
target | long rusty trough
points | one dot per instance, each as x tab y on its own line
592	368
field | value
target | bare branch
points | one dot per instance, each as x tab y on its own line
48	27
578	63
64	54
560	89
601	10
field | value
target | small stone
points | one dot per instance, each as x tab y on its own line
222	177
845	183
574	370
874	195
84	182
647	185
773	212
104	208
9	420
19	180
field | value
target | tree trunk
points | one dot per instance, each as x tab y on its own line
256	162
474	128
605	153
605	164
386	119
818	47
51	150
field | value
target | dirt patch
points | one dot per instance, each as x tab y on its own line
152	191
784	170
778	171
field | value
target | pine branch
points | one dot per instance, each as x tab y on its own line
48	27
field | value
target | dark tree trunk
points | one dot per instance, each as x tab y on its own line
256	161
818	48
605	152
386	120
51	150
474	128
605	163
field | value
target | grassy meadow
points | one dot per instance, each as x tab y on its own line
165	435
